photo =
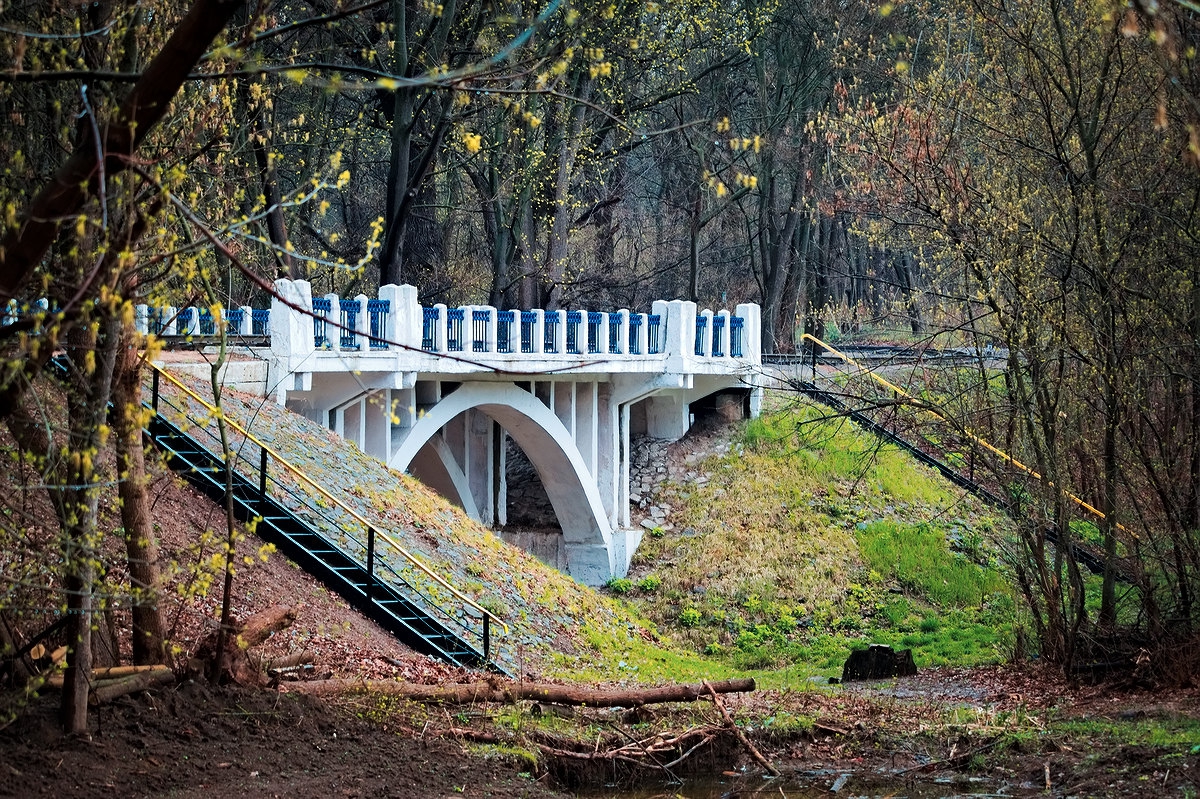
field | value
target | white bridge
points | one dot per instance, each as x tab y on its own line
436	391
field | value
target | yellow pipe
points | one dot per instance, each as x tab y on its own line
411	558
981	442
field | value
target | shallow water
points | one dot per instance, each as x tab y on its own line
801	786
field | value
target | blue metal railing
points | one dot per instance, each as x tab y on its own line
504	326
528	326
233	321
322	307
654	334
635	337
260	322
157	321
349	332
429	320
480	320
183	321
454	329
574	320
736	326
595	320
208	327
614	334
718	334
701	327
379	310
550	339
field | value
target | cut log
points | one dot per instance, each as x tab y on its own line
303	658
501	692
162	675
105	674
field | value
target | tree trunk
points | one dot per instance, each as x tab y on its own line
25	243
87	400
141	549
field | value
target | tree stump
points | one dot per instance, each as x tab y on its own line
878	662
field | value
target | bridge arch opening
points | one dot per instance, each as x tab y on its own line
454	446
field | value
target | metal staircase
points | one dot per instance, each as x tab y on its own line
376	587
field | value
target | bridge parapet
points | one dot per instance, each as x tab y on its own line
673	337
305	330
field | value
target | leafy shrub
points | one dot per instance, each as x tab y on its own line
689	617
649	583
619	585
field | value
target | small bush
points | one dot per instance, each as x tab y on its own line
689	617
619	585
650	583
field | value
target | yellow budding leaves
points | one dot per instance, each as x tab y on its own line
746	143
471	141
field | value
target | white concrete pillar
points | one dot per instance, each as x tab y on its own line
170	315
440	342
586	432
377	424
246	323
623	331
560	331
680	335
539	331
478	465
291	329
362	324
333	318
141	317
623	495
667	416
405	318
492	329
501	474
191	325
563	396
608	451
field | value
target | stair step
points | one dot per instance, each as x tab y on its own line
341	572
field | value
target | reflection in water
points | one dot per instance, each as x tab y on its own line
803	785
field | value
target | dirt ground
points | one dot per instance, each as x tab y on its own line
192	742
888	739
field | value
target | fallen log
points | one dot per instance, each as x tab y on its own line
131	684
289	661
105	674
499	692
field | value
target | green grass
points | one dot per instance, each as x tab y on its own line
918	557
810	539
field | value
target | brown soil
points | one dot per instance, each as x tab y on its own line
191	741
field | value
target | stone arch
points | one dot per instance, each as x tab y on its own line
546	441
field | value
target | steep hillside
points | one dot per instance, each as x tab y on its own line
554	622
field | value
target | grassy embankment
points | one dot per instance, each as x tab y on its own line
809	539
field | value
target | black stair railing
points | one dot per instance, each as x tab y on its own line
1092	561
328	538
